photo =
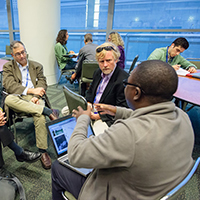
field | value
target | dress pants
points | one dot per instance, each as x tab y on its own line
70	65
25	105
6	137
65	179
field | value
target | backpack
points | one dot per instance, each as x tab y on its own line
9	188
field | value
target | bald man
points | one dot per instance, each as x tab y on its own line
143	155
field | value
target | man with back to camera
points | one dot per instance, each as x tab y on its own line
26	85
171	55
143	155
86	53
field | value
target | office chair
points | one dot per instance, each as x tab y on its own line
133	64
196	63
8	53
74	100
66	72
188	188
88	69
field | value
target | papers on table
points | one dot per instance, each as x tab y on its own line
99	126
182	72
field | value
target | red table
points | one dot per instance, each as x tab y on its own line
188	91
2	62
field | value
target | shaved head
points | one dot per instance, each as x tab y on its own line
158	80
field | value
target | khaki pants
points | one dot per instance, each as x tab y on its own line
25	105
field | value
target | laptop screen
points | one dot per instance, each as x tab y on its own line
60	131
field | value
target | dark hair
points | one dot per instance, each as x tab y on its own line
158	80
61	37
181	41
88	37
15	44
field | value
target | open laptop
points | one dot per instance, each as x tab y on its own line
60	131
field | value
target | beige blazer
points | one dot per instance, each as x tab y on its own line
12	80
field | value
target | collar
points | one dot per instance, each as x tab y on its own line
20	66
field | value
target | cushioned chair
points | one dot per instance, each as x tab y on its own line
8	53
74	100
88	69
65	72
197	63
188	189
133	64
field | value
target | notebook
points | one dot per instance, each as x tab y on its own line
194	75
60	131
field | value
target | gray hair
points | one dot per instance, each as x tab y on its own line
15	44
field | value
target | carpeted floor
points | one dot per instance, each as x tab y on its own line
35	179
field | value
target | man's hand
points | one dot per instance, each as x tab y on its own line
176	67
2	118
80	111
106	109
192	70
35	100
37	91
95	116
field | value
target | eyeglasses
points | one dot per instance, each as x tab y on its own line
125	83
19	53
107	48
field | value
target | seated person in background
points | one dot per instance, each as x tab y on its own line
26	85
107	85
6	137
171	55
86	53
143	155
61	50
116	39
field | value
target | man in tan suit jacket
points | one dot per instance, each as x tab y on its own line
26	85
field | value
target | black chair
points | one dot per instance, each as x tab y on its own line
133	64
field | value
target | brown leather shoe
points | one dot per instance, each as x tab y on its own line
54	115
46	161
